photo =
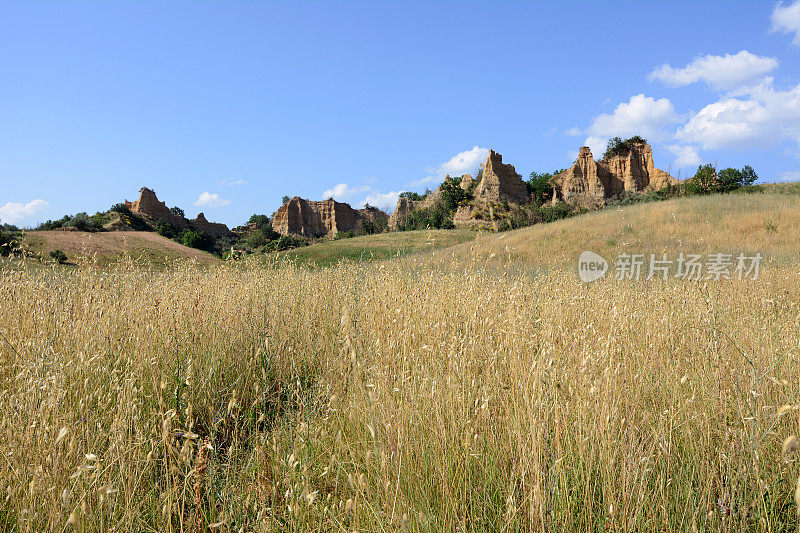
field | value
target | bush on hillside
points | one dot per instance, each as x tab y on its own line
539	187
59	256
616	146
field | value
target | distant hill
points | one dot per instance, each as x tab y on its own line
766	222
108	247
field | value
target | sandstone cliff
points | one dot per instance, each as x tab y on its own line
501	182
401	212
151	209
311	218
212	228
588	181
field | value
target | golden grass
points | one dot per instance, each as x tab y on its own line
376	247
107	247
708	224
405	395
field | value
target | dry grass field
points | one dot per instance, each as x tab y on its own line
105	248
423	394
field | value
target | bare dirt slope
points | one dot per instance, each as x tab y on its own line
108	247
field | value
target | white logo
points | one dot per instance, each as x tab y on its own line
591	266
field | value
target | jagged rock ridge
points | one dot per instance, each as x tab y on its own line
149	207
311	218
593	181
500	182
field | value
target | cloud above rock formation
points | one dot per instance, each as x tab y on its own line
207	199
466	162
719	72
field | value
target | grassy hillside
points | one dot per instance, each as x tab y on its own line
766	223
375	247
108	247
411	395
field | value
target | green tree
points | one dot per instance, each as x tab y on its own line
285	200
177	211
539	186
729	179
703	182
193	239
259	220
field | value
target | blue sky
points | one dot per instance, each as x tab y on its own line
226	107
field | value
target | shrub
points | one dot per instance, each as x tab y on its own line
177	211
165	229
59	256
616	146
8	238
703	182
539	187
416	197
193	239
258	220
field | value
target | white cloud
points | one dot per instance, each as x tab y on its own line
466	162
208	199
15	213
573	132
231	183
719	72
792	175
786	19
761	116
385	201
685	156
342	191
641	115
596	144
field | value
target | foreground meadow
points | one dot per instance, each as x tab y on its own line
395	396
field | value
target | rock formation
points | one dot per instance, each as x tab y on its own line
151	209
587	181
466	181
401	212
212	228
149	206
500	182
311	218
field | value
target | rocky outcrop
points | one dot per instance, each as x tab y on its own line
211	228
585	179
311	218
398	217
151	209
594	182
500	182
466	181
149	206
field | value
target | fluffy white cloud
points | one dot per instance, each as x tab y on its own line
641	115
385	201
342	191
760	116
15	213
465	162
685	156
720	72
208	199
786	19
